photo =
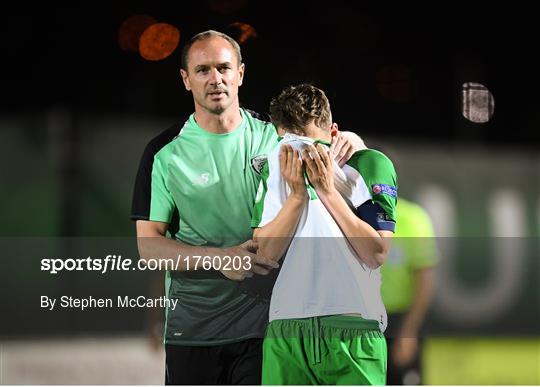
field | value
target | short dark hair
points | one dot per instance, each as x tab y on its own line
297	106
204	36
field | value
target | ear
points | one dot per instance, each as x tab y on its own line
241	69
334	131
185	79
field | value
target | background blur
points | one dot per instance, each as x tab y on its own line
449	93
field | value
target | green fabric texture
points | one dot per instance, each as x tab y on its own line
413	247
209	178
258	209
330	350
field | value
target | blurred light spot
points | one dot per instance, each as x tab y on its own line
441	206
159	41
131	30
507	214
478	103
396	83
466	305
226	6
241	32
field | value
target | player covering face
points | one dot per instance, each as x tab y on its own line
332	225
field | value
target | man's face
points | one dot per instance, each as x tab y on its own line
213	75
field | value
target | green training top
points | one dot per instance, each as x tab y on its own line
204	185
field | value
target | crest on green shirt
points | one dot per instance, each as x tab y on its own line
257	163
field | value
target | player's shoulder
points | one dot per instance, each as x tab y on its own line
263	118
259	121
412	209
164	139
407	205
369	159
413	220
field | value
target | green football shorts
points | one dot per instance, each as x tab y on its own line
324	350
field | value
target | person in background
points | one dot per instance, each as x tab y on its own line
407	289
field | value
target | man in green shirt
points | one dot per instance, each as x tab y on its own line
197	182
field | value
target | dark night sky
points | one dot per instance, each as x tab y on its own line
70	56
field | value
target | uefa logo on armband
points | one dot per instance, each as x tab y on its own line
384	189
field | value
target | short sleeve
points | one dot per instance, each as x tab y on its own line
161	204
380	178
142	189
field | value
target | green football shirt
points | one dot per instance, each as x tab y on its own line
413	248
204	185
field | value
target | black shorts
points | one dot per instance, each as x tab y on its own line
237	363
